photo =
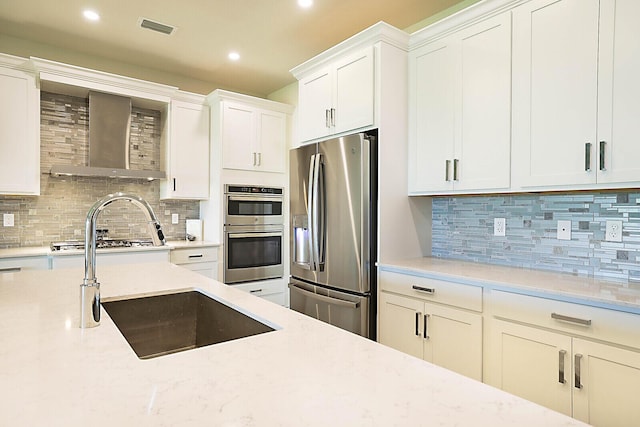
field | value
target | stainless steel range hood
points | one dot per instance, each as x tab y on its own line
109	129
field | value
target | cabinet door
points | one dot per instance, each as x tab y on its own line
238	136
431	116
555	70
400	323
272	138
619	92
534	364
354	92
609	377
454	339
189	152
483	130
19	133
314	105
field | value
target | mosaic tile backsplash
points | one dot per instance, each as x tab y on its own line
60	211
463	229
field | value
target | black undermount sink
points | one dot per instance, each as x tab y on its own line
171	322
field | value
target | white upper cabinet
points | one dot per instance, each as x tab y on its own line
19	130
251	133
186	150
338	97
460	110
575	93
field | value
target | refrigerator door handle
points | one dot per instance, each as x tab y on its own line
320	211
310	212
330	300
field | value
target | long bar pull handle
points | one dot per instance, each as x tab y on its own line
602	155
447	165
587	157
174	184
418	324
561	356
425	332
310	212
195	256
576	362
423	289
333	117
255	291
326	118
10	270
259	159
455	169
577	320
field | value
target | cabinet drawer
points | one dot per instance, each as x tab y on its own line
25	263
454	294
574	319
208	269
261	289
191	255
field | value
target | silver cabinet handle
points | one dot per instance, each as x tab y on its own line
425	333
602	155
455	169
10	270
423	289
576	362
587	157
195	256
254	158
561	355
327	121
259	159
417	324
447	164
576	320
333	117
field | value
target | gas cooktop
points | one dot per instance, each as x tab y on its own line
101	244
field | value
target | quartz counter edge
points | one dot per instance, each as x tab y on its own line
620	296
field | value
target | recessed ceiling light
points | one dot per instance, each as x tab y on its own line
305	3
234	56
91	15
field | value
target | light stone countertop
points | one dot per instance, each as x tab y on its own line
35	251
306	373
620	296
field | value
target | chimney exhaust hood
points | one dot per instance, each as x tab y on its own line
109	130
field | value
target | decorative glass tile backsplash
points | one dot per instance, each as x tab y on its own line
463	229
60	211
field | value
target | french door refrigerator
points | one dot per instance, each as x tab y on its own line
333	208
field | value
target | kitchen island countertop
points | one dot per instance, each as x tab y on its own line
304	373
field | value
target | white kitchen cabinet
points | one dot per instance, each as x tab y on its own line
578	360
19	130
249	133
15	264
203	260
271	290
110	257
448	336
460	110
186	150
575	93
338	97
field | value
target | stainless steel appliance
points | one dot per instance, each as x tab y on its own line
253	233
333	232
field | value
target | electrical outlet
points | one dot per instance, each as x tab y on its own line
7	220
564	230
613	231
174	218
499	227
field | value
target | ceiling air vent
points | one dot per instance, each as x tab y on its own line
156	26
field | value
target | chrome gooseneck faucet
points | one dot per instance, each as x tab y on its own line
90	288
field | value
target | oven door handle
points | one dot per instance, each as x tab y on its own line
245	235
241	198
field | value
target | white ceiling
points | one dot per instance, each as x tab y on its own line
272	36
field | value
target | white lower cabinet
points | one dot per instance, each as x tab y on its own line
445	335
271	290
568	357
203	260
12	265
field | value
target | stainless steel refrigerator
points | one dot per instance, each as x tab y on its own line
333	218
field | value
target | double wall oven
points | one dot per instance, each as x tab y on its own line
253	233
